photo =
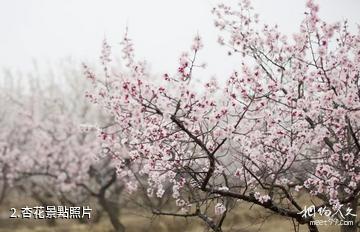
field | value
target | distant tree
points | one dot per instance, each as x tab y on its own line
47	155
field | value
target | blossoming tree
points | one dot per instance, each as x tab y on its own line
46	155
286	122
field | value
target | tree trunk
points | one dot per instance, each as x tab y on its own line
113	212
312	228
49	221
351	227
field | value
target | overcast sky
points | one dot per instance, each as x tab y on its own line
49	30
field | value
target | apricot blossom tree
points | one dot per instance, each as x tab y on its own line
286	122
48	156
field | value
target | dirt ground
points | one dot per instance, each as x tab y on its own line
245	218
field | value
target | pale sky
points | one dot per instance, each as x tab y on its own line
50	30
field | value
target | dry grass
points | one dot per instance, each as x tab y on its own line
244	218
